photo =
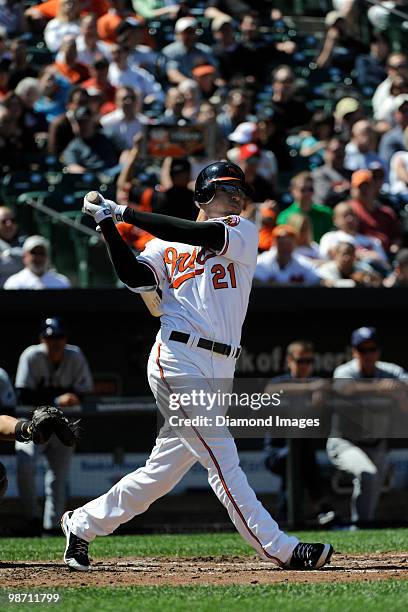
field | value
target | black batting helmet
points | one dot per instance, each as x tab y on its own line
219	172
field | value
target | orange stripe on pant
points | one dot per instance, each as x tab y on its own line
217	466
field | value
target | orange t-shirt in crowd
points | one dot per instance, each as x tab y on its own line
49	9
108	23
74	75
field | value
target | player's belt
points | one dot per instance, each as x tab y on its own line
210	345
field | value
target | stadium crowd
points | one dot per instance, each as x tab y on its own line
318	121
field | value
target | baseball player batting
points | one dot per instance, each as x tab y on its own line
205	271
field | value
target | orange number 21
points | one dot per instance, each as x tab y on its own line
220	272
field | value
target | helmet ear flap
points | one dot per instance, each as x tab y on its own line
205	193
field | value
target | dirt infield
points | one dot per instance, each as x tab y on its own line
203	570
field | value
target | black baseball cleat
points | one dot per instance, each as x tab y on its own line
76	550
309	556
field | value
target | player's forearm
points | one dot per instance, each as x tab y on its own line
131	272
172	229
7	427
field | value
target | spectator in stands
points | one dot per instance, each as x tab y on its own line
255	52
321	128
89	47
90	150
47	10
173	113
398	90
306	247
249	133
360	151
99	82
36	273
51	372
205	76
332	180
109	21
28	90
269	137
10	236
302	190
368	248
61	130
11	149
122	74
340	48
300	384
279	266
346	113
54	90
249	159
225	49
399	172
17	112
190	91
375	219
124	123
12	17
11	242
67	64
346	271
371	68
186	53
399	276
393	140
397	64
20	68
235	112
65	23
157	9
175	198
365	460
130	33
291	111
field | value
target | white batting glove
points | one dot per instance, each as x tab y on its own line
103	209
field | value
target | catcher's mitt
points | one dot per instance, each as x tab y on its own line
48	420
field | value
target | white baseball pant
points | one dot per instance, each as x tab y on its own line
171	368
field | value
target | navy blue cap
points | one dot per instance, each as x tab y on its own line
52	328
363	334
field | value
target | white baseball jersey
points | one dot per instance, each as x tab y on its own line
205	293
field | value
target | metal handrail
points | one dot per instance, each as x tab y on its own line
62	219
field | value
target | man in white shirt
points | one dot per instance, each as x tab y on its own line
279	266
397	64
35	274
125	122
121	73
89	47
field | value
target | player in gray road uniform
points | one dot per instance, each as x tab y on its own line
57	373
365	460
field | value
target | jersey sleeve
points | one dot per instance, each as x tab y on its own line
152	257
240	241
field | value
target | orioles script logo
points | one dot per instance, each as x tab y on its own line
182	266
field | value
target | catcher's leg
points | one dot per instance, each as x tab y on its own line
133	494
59	460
